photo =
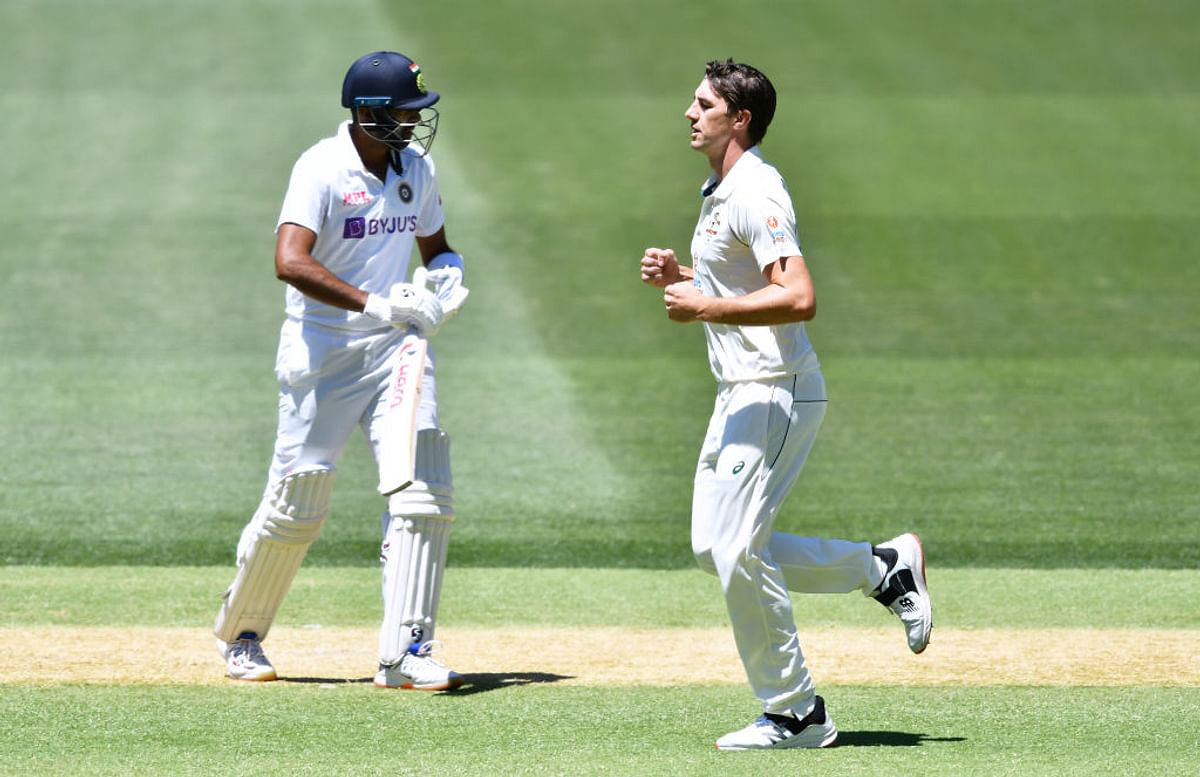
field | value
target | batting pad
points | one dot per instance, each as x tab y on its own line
416	536
271	550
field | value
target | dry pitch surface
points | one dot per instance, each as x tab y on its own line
611	656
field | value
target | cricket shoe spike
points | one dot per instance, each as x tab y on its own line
814	730
903	590
245	660
418	670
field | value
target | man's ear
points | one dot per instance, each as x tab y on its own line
741	119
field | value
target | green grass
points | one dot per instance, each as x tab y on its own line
992	199
544	729
520	723
998	208
635	598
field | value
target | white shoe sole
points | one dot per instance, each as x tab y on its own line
811	738
448	685
264	677
918	578
922	591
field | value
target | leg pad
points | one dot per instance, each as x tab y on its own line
271	550
416	536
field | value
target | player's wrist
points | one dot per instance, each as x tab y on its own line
378	308
447	259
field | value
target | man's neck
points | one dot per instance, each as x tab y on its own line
374	155
722	163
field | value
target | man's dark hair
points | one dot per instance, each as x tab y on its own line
744	87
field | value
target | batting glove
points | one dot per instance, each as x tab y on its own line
446	274
407	305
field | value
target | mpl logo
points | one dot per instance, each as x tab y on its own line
355	228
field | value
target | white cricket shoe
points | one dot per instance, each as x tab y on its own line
245	660
903	590
418	670
815	729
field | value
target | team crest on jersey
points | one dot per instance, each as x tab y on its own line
778	234
405	192
714	223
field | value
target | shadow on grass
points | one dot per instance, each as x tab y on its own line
495	681
888	739
473	683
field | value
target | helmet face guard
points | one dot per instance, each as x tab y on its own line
397	135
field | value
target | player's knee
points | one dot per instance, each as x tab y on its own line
735	559
294	509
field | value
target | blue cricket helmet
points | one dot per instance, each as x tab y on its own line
386	79
382	83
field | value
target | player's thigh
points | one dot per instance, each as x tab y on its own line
757	443
427	413
726	500
797	412
315	422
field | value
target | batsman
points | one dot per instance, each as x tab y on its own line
353	351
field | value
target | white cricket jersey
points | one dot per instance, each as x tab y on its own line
365	227
747	223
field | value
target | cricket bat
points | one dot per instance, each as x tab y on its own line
398	435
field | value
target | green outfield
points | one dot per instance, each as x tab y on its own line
998	202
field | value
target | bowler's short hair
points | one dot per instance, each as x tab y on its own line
744	87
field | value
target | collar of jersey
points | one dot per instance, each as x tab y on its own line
346	145
720	188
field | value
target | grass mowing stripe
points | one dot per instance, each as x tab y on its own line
946	150
955	203
963	598
541	729
481	384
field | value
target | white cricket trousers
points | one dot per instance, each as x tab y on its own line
330	383
758	439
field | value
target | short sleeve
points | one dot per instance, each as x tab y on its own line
767	224
307	198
